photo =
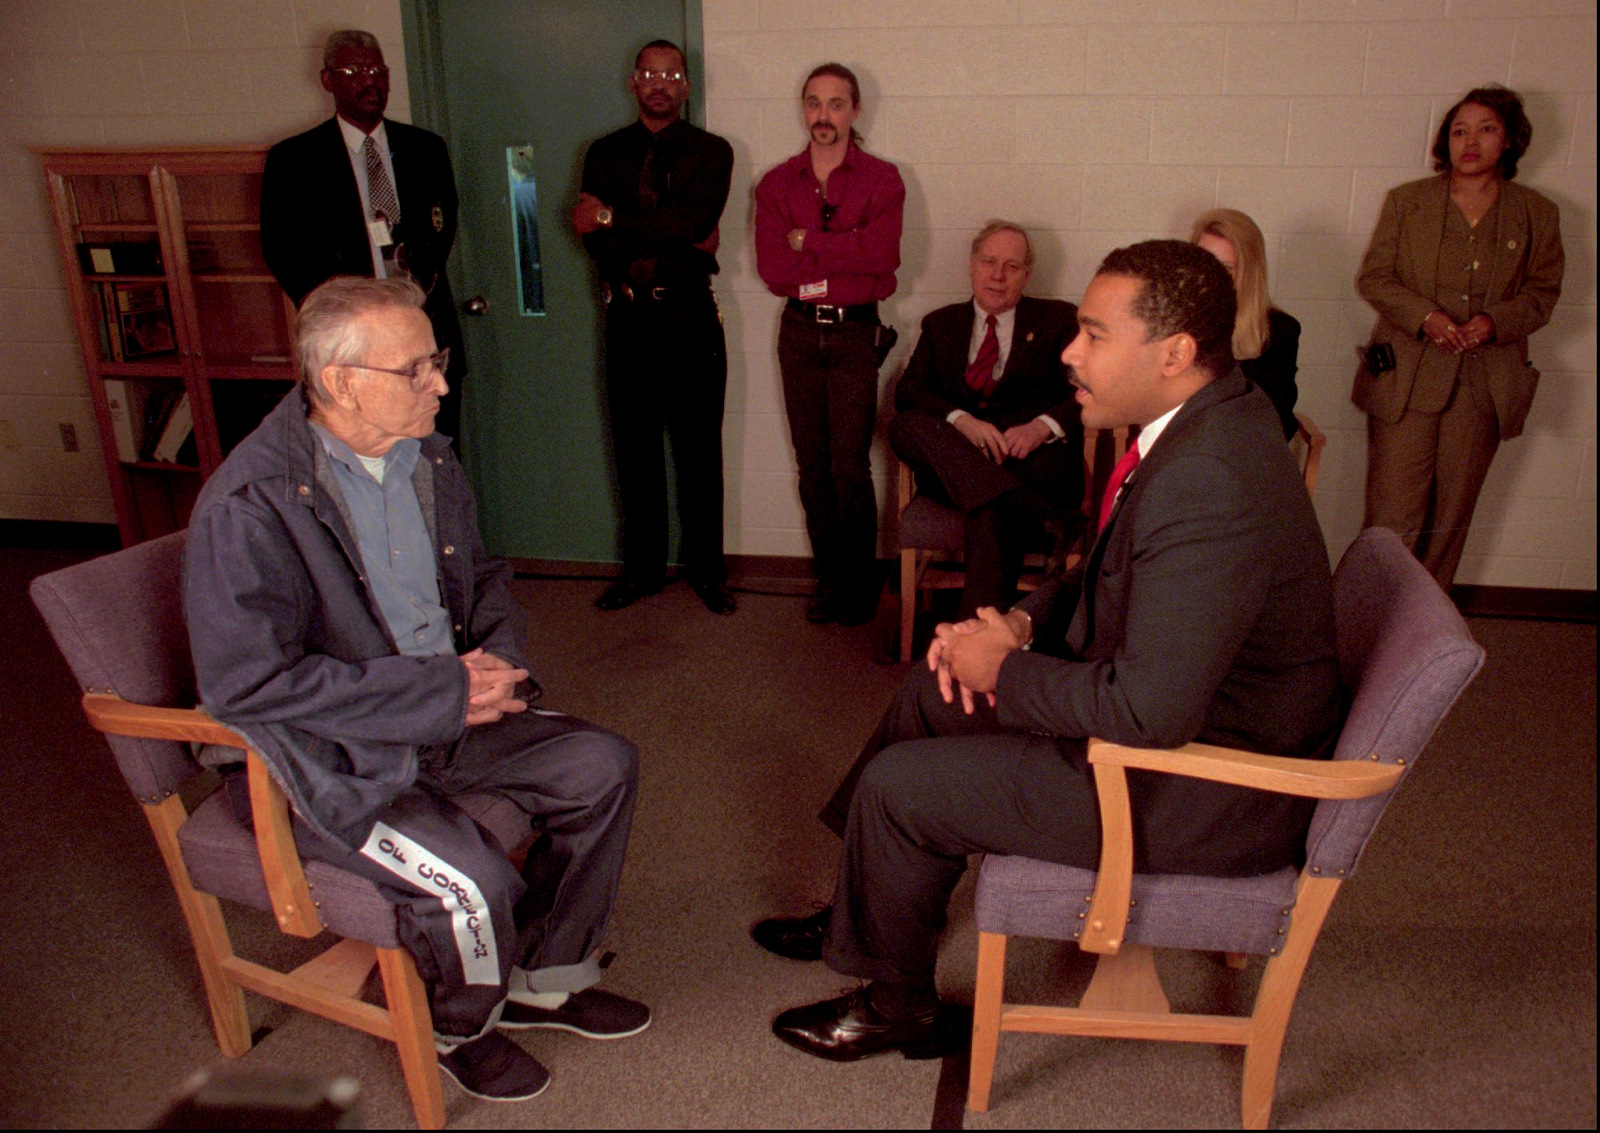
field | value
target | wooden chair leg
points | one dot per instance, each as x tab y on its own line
908	600
1238	961
1280	983
207	931
413	1035
987	1000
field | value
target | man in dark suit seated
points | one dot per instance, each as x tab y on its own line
1206	614
362	194
986	417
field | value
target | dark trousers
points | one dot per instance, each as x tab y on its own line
667	373
1007	506
830	394
932	786
464	912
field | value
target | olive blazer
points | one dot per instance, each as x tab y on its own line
1399	278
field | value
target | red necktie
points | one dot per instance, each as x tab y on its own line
980	375
1125	466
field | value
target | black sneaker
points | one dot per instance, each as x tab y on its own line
495	1069
592	1013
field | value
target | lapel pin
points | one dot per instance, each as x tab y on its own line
438	218
1512	244
1028	337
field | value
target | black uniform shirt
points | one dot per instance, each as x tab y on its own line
653	243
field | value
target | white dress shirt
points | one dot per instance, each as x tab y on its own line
1005	326
354	143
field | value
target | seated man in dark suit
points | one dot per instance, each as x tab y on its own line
1206	614
362	194
986	416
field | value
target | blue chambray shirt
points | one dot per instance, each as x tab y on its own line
395	546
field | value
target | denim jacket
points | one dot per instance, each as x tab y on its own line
290	649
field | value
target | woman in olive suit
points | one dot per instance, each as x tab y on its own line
1462	268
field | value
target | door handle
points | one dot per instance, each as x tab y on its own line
477	305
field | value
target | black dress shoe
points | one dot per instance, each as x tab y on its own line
794	938
623	593
849	1028
717	597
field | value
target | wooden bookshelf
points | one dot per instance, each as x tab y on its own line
172	300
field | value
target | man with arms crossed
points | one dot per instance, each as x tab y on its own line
653	193
362	194
1206	614
828	240
345	619
982	405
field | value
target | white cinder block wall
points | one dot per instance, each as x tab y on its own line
128	73
1095	122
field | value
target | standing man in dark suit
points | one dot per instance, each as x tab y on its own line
362	194
653	194
1206	614
987	418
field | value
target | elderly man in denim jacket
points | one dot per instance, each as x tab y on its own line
345	619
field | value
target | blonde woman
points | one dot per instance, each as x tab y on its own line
1266	341
1463	266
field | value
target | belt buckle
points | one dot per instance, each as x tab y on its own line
829	316
658	293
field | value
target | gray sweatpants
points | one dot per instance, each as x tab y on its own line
464	912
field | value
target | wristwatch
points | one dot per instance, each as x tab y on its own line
603	216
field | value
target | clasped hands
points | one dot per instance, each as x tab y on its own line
966	656
491	687
1017	441
1447	335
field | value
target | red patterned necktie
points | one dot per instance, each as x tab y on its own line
980	375
1125	466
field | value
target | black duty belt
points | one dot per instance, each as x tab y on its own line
660	294
822	313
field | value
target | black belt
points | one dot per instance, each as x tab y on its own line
822	313
659	294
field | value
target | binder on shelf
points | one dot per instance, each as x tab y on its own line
122	420
120	257
179	424
160	400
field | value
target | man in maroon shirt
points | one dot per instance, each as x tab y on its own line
828	240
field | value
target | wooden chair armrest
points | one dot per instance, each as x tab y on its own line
115	716
1107	916
1312	778
903	487
280	861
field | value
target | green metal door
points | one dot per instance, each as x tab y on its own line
519	88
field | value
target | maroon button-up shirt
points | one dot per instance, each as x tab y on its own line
855	256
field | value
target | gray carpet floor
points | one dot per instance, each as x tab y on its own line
1454	984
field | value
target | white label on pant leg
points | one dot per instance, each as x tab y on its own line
469	913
